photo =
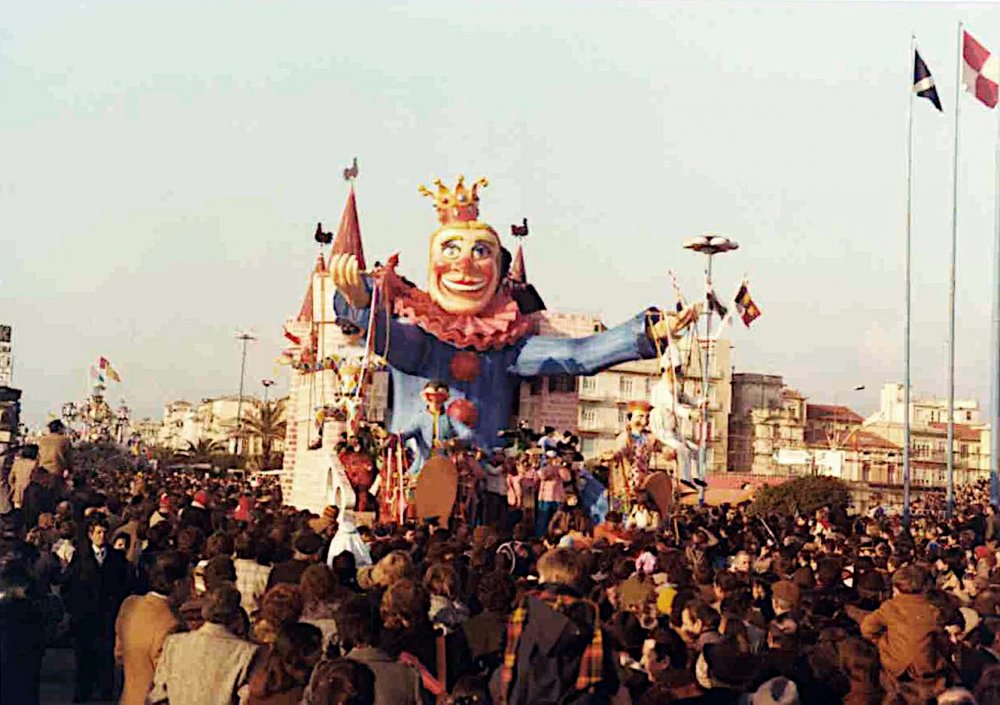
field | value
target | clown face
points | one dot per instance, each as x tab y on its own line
464	269
435	397
639	421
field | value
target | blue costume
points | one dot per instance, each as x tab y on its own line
416	357
421	431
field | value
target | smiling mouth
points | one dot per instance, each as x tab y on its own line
464	286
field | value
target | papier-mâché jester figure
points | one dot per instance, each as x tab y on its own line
467	329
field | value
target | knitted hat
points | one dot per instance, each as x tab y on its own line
308	543
777	691
165	501
201	497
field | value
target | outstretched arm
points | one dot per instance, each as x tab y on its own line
586	356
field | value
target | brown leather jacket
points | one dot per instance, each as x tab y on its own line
909	633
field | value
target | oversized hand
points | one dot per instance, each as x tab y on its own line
673	324
346	276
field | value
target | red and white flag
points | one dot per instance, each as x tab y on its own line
980	71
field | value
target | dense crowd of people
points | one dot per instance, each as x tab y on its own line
192	589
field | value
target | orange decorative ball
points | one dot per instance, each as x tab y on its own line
464	411
465	366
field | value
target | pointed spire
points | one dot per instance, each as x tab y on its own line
517	272
306	312
348	238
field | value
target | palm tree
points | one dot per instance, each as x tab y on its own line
268	423
203	450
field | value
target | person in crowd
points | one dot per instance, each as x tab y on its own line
41	496
197	513
144	622
20	472
55	450
446	610
557	622
343	682
284	672
281	605
207	666
396	683
308	546
251	575
96	584
22	621
318	589
907	630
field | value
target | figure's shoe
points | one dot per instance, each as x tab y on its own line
688	483
701	483
316	445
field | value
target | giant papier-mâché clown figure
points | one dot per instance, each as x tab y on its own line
468	330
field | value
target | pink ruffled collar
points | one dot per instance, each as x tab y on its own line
502	324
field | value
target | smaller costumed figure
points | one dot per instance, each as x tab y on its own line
633	457
434	425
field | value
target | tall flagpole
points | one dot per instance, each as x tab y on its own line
906	343
950	450
994	351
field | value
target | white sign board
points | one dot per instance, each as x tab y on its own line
830	462
792	456
6	356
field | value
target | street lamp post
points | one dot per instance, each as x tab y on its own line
708	245
245	337
836	416
266	383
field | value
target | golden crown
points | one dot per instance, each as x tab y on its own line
458	205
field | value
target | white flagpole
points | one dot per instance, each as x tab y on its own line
950	450
906	343
994	351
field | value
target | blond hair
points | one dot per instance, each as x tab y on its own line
560	566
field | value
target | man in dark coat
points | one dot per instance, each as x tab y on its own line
41	496
197	513
555	643
97	582
308	546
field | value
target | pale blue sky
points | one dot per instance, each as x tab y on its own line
164	165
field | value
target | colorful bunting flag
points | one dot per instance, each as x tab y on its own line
980	71
923	82
748	310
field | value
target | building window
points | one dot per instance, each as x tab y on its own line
587	446
562	383
588	384
968	416
622	417
866	472
625	385
535	386
963	450
890	474
588	416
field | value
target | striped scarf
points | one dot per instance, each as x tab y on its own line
592	661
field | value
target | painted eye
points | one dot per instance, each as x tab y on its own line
482	251
451	250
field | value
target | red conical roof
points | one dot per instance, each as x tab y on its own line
517	271
306	312
348	239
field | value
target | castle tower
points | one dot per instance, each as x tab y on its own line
311	476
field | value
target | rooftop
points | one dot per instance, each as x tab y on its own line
963	432
830	412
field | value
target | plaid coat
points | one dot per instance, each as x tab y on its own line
556	652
